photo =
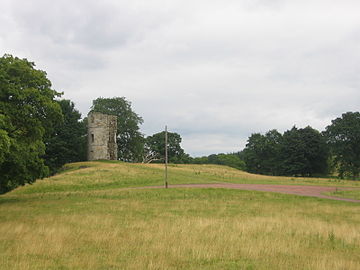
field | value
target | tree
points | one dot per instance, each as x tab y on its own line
5	140
253	153
296	152
200	160
155	148
303	152
261	153
343	137
129	139
231	160
27	112
271	162
68	140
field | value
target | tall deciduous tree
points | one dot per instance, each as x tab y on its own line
303	152
344	139
129	139
155	148
27	111
67	142
261	154
253	153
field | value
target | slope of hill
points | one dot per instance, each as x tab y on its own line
87	218
112	174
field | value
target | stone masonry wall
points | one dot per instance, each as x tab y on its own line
102	136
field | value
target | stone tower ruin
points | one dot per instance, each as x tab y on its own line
102	136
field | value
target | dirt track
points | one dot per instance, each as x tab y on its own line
312	191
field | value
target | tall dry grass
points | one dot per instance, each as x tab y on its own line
177	229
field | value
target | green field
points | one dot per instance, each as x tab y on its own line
88	218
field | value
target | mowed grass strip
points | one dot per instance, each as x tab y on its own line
177	229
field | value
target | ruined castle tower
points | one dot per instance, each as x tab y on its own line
102	136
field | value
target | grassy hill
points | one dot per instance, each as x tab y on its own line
102	175
88	218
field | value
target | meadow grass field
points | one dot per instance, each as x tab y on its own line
89	217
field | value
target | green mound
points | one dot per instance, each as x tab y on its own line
102	175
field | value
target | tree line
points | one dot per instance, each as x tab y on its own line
301	152
40	132
306	151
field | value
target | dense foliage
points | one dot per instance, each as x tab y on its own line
155	148
129	139
28	112
303	152
262	152
232	160
68	141
344	139
297	152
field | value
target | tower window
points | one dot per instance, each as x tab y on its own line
92	138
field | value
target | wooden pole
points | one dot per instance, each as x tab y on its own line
166	157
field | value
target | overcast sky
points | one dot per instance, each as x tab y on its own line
214	71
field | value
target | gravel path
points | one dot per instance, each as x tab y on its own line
312	191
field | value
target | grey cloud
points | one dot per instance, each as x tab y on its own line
91	24
84	23
81	33
214	71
